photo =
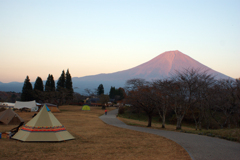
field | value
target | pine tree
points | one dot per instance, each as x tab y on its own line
117	94
61	91
112	92
48	84
68	86
27	91
61	82
52	83
38	89
68	81
100	89
38	84
50	94
121	93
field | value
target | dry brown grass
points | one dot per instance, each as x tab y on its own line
169	127
229	134
94	140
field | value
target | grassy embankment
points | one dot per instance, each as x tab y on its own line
93	140
232	134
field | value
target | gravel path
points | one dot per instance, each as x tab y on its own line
199	147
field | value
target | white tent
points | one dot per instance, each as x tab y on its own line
7	104
30	104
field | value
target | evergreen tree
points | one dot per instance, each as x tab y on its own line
68	86
50	94
112	92
61	82
38	89
38	86
61	91
121	93
100	89
50	84
117	94
27	91
68	81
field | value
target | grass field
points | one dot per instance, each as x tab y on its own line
94	140
232	134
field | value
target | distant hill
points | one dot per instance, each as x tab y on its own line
162	66
11	87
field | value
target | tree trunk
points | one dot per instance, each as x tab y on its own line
163	121
200	126
149	120
178	127
208	125
195	120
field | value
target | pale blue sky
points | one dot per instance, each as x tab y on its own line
89	37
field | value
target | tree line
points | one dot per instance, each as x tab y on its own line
191	93
115	94
61	94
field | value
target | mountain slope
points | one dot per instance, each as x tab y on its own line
159	67
162	66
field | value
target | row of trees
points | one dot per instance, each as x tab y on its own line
48	93
190	93
116	94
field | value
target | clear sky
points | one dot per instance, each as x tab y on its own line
90	37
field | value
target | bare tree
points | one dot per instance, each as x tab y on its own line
203	82
225	102
134	84
161	96
138	96
185	93
104	99
89	92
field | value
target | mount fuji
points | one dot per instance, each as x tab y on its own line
162	66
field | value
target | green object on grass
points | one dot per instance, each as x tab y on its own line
86	108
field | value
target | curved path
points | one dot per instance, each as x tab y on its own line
199	147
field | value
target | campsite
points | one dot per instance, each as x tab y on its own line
93	140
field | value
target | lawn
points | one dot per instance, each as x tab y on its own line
232	134
93	140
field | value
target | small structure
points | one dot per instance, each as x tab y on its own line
5	135
43	127
86	108
7	104
9	117
29	104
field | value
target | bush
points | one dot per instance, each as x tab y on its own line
121	110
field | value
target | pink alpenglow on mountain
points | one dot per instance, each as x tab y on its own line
162	66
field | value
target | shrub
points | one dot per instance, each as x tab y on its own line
121	110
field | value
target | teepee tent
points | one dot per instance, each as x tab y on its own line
43	127
86	108
10	117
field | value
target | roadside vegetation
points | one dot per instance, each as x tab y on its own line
191	98
232	134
